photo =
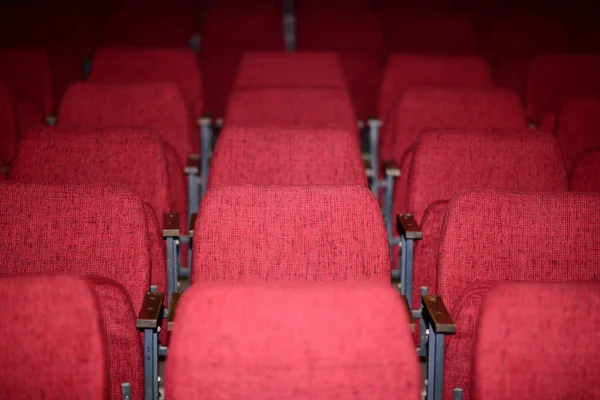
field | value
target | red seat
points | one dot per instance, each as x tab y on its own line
9	134
260	70
548	324
42	313
291	108
578	127
492	236
125	66
27	74
95	231
554	78
585	173
446	162
287	157
120	156
293	341
290	234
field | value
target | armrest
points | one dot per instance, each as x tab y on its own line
409	227
151	311
170	225
390	168
435	311
204	121
193	164
175	297
192	224
374	122
369	168
5	169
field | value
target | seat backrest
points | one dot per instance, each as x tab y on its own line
42	313
132	157
290	233
291	108
157	106
555	77
446	162
28	75
353	342
555	325
578	127
8	126
302	70
266	156
176	65
491	236
585	174
403	71
95	231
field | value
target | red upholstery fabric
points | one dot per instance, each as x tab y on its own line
291	108
578	127
28	76
179	66
585	174
9	134
555	77
408	70
547	324
157	106
286	157
290	233
157	26
446	162
293	341
423	109
122	156
300	70
494	236
426	33
95	231
52	339
357	39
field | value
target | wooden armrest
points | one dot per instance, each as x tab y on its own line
175	297
411	320
192	224
408	226
390	168
5	169
369	168
193	164
204	121
171	225
436	312
151	311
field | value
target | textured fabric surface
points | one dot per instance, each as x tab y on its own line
9	133
424	109
578	127
291	108
430	33
555	77
95	231
585	174
403	71
290	233
159	107
260	70
266	156
292	341
179	66
52	339
492	236
552	325
131	157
